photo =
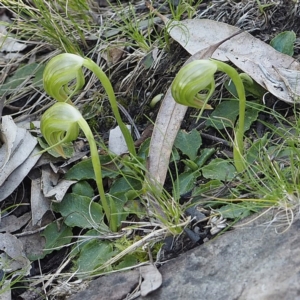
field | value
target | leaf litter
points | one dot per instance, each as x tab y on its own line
8	43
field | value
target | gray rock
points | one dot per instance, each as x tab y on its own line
251	262
115	286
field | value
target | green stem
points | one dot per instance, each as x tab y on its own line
238	147
97	167
88	63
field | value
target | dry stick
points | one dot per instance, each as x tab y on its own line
158	169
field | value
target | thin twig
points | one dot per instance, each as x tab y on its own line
215	139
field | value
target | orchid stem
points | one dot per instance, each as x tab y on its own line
88	63
96	165
238	145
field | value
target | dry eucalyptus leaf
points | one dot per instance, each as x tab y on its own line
32	293
291	78
253	56
117	143
114	52
12	258
17	176
10	56
152	279
12	223
167	124
33	244
8	137
39	203
9	44
51	185
49	179
59	191
18	145
15	156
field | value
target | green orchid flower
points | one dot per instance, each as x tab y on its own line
60	72
196	76
63	77
60	124
194	85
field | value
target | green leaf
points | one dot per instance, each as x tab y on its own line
117	212
144	149
224	115
84	170
251	116
94	254
55	237
81	171
251	87
188	143
219	169
133	194
255	149
284	42
206	153
128	261
21	75
227	112
83	188
118	195
185	183
123	185
234	211
190	164
79	211
206	187
280	153
175	157
147	60
85	239
91	111
135	207
37	81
